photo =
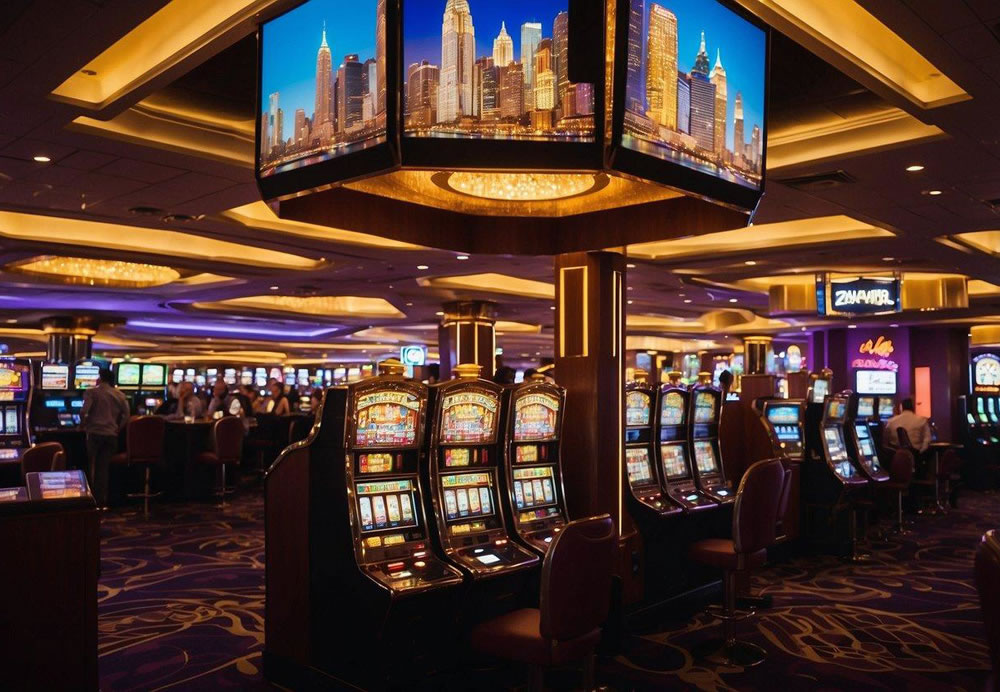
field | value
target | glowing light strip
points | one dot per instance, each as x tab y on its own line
222	329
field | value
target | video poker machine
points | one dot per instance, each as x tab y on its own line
532	417
144	384
782	419
352	572
674	452
705	403
464	463
55	404
640	454
860	443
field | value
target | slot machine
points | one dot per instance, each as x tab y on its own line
15	402
54	405
532	417
674	454
128	376
152	388
351	569
782	419
464	462
705	402
646	493
884	410
861	445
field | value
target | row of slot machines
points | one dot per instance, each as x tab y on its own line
672	454
15	401
423	503
980	414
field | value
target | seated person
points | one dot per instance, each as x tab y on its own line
221	399
277	402
917	427
188	404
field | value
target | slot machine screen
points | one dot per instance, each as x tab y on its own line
387	418
467	495
289	379
11	421
53	485
199	380
835	409
55	376
820	388
260	377
375	462
353	374
704	457
468	417
674	464
534	487
835	444
885	406
303	377
785	422
229	376
275	374
339	374
866	406
704	407
864	440
189	375
212	373
13	379
85	376
386	504
637	411
640	471
246	378
128	375
535	417
178	376
154	375
672	409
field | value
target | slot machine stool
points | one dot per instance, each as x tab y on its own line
900	475
573	605
144	437
754	529
227	448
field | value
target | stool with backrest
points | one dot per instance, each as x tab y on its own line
227	449
988	585
144	436
764	600
900	477
949	465
42	457
754	527
574	602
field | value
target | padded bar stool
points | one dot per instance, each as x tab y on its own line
763	601
573	605
46	456
754	528
988	586
949	464
144	436
900	476
227	448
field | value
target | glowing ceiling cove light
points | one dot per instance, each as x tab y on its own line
521	187
236	330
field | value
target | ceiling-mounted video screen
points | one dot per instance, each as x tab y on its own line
693	93
324	90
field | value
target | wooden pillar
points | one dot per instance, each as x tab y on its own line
755	352
590	364
467	334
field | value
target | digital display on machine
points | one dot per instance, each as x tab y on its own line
386	505
783	415
54	485
704	407
885	406
55	376
467	495
820	388
302	376
637	408
695	88
704	457
386	418
375	462
228	376
672	409
674	464
468	417
864	440
155	375
128	375
85	376
246	378
260	377
526	454
875	382
639	469
178	376
535	417
11	421
835	444
866	407
534	487
836	409
458	456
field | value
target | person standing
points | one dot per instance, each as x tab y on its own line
104	413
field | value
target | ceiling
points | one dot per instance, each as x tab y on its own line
174	154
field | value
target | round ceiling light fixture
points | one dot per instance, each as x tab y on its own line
95	272
520	187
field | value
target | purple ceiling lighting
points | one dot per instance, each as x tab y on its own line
212	328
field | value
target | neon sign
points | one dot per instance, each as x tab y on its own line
879	347
877	352
858	296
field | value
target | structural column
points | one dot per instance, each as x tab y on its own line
70	339
467	334
755	352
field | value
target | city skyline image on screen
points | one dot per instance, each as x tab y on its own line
492	70
694	88
323	86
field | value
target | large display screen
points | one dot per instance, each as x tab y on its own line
640	471
387	419
55	376
672	409
875	382
386	504
820	388
637	408
695	88
534	487
323	83
672	458
783	415
468	417
704	407
155	375
467	495
128	375
535	417
704	457
477	69
85	376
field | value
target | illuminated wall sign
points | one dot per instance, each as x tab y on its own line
858	296
875	382
793	359
986	373
874	355
413	355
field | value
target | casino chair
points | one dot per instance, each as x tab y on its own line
574	602
900	477
949	465
144	436
45	456
987	572
764	601
754	529
227	448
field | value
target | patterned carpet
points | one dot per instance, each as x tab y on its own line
182	607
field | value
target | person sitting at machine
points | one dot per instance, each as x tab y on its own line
916	427
221	400
188	404
277	402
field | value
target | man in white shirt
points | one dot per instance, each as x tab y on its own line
915	426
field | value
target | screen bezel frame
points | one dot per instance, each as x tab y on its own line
669	173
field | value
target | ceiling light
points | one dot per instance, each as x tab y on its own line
520	187
630	266
803	329
734	300
12	320
409	305
914	168
852	326
629	302
750	263
687	300
41	159
552	307
273	288
893	325
933	193
96	272
888	259
422	267
462	257
439	313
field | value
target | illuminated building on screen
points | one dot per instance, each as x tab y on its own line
503	47
661	66
560	57
739	143
379	87
350	95
545	79
634	99
458	47
721	105
323	112
531	34
683	103
512	91
422	94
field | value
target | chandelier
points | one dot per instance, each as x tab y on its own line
96	272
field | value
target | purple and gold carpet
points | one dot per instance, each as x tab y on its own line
182	607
